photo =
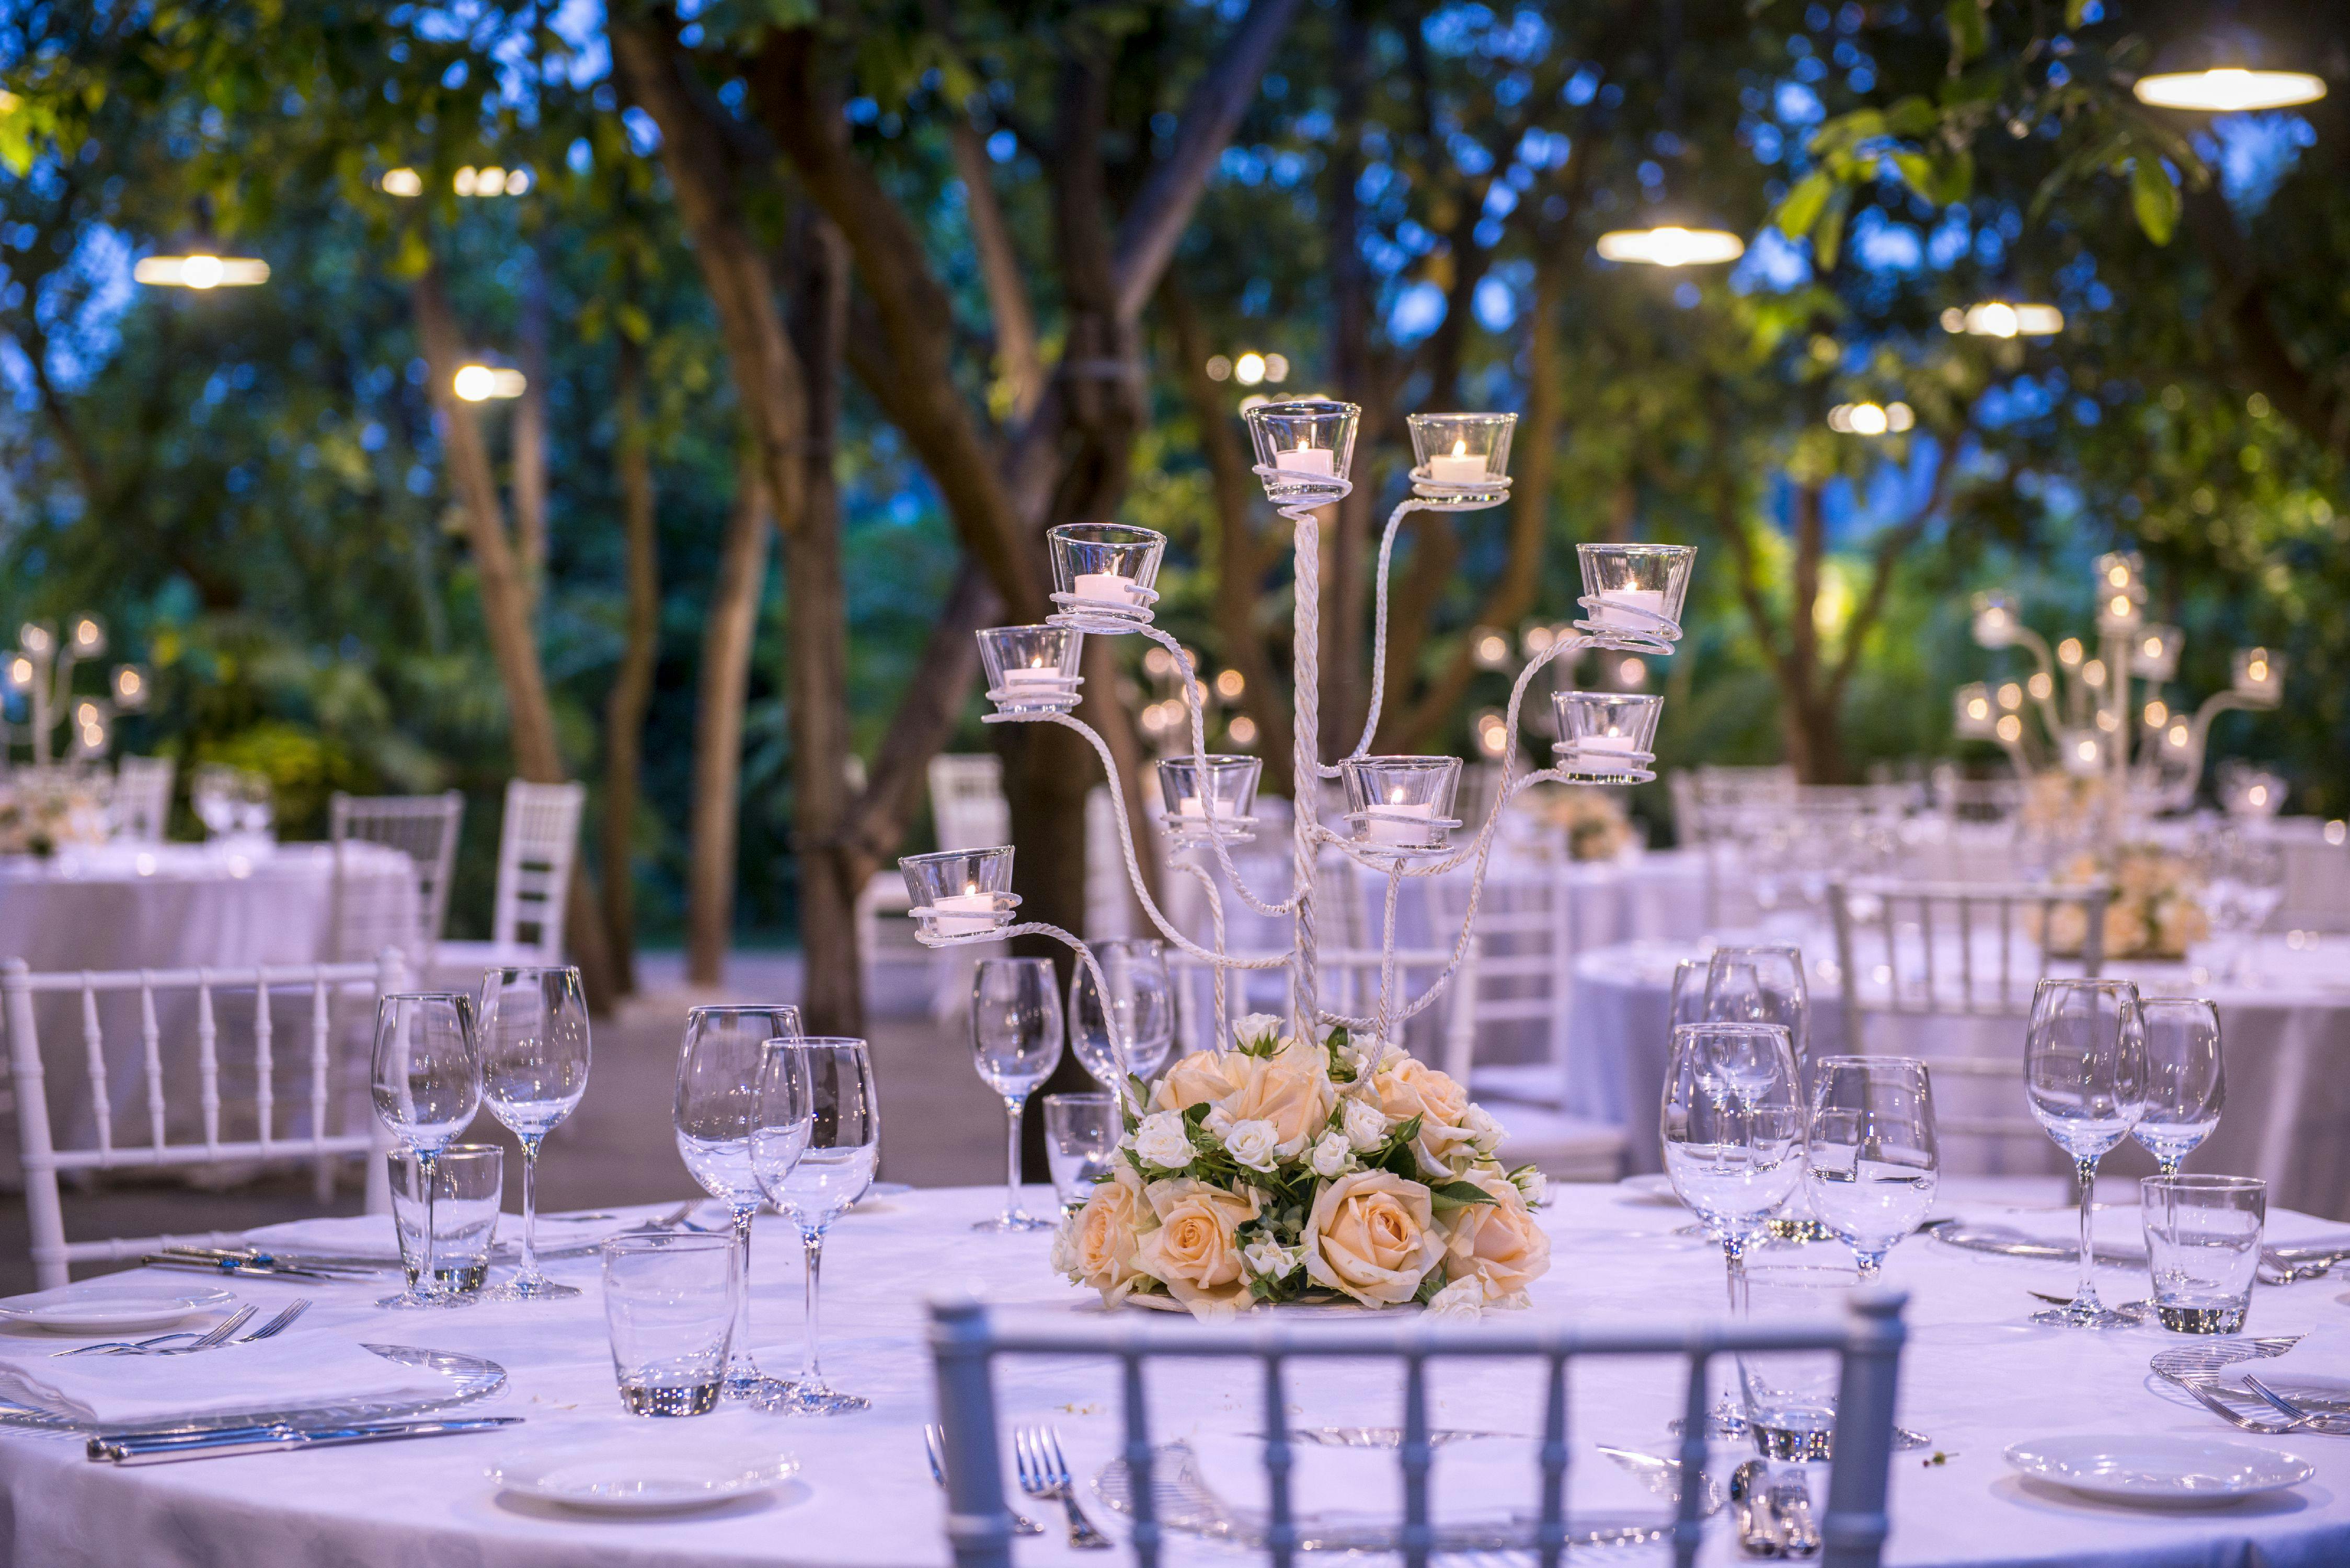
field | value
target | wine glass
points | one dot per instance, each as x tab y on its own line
1015	1041
425	1078
534	1055
1142	1007
2184	1085
1765	985
2248	885
1687	1005
817	1185
717	1097
2085	1070
1874	1160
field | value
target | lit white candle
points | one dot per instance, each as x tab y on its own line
1314	460
1104	587
1607	743
980	917
1034	681
1462	467
1193	805
1614	602
1404	822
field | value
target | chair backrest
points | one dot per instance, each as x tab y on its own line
967	804
179	1016
142	797
423	828
537	844
1522	954
1719	785
966	1343
1346	980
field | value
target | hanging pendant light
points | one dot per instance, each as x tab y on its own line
1671	246
2226	72
201	270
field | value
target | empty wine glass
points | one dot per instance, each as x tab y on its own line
717	1101
2184	1085
1688	1003
816	1186
1015	1041
2085	1070
1765	985
2245	885
534	1058
425	1078
1874	1160
1142	1007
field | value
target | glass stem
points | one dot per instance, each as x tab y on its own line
1733	1256
1012	1107
2167	1165
812	1246
426	1164
1871	1265
740	1360
2085	1172
529	1208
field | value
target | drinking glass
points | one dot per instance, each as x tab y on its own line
1790	1396
468	1185
816	1186
425	1078
2184	1085
1765	985
1142	1006
1687	1005
2085	1073
1874	1160
1015	1041
1081	1133
2202	1248
534	1055
2245	885
717	1097
669	1303
214	797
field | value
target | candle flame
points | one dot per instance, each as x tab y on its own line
1460	446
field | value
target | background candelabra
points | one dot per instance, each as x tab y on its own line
2151	757
1399	820
41	673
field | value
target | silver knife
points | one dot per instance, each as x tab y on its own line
129	1450
241	1270
285	1260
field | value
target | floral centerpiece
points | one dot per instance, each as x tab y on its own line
1284	1171
40	810
2156	911
1594	820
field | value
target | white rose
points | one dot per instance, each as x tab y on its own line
1218	1122
1252	1144
1333	1155
1269	1259
1164	1140
1367	1124
1533	1186
1484	1132
1461	1299
1260	1031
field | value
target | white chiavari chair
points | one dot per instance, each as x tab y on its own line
185	1017
966	1342
424	828
539	843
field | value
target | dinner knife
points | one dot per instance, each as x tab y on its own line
129	1449
240	1269
333	1265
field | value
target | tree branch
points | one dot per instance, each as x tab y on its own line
1017	353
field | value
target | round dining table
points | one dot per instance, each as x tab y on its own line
1976	1377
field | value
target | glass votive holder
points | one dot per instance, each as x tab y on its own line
1313	439
2202	1248
1996	619
669	1303
1636	587
1973	716
1031	668
1403	802
468	1187
2252	792
959	892
2259	674
1225	792
2154	652
1081	1134
1106	568
1456	456
1607	737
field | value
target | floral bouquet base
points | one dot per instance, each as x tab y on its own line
1288	1173
2156	911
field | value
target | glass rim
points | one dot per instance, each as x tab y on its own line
1856	1058
469	1150
2204	1002
516	972
465	996
1213	759
667	1241
1082	1097
817	1042
1789	948
1112	534
2086	982
709	1008
1304	408
940	856
1714	1026
2190	1181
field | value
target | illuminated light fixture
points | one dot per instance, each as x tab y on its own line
478	383
1537	639
2040	686
491	180
1249	369
402	182
1671	246
1492	729
1998	319
2068	652
129	688
2157	714
201	271
2011	696
1490	648
2228	90
1630	674
1242	731
1229	684
2093	672
2010	729
1276	368
1871	419
17	672
1219	368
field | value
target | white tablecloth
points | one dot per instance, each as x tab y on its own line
2286	1036
1976	1378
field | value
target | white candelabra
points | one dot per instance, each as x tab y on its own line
42	669
1398	823
2089	724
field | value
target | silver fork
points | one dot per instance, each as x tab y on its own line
126	1344
2204	1393
934	1444
2311	1421
1045	1473
228	1325
279	1324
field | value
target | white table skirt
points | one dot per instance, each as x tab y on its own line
1976	1378
2286	1039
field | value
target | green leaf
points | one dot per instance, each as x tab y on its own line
1911	116
1195	1114
1452	1195
2155	199
1917	170
1429	1284
1827	239
1969	37
1801	209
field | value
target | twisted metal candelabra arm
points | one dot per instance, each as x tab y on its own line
1189	864
1215	831
1430	496
1118	1044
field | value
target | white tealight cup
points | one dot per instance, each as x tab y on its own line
1193	805
1038	681
1314	460
1104	587
982	916
1612	601
1607	743
1457	469
1393	824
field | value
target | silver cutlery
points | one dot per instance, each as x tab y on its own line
934	1444
1663	1476
1758	1531
2330	1422
1791	1500
1044	1474
126	1345
138	1448
238	1269
322	1262
280	1324
215	1339
2209	1398
2196	1360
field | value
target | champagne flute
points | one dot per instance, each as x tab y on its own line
1141	1008
1015	1041
1874	1160
1765	984
717	1099
2184	1085
425	1078
534	1058
2085	1070
816	1186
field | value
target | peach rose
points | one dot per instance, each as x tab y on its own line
1497	1243
1098	1245
1372	1236
1290	1090
1411	1088
1202	1078
1195	1251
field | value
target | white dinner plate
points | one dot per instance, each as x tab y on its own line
1655	1188
2158	1467
99	1308
637	1474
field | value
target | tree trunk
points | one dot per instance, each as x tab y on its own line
1808	715
632	687
530	435
723	686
